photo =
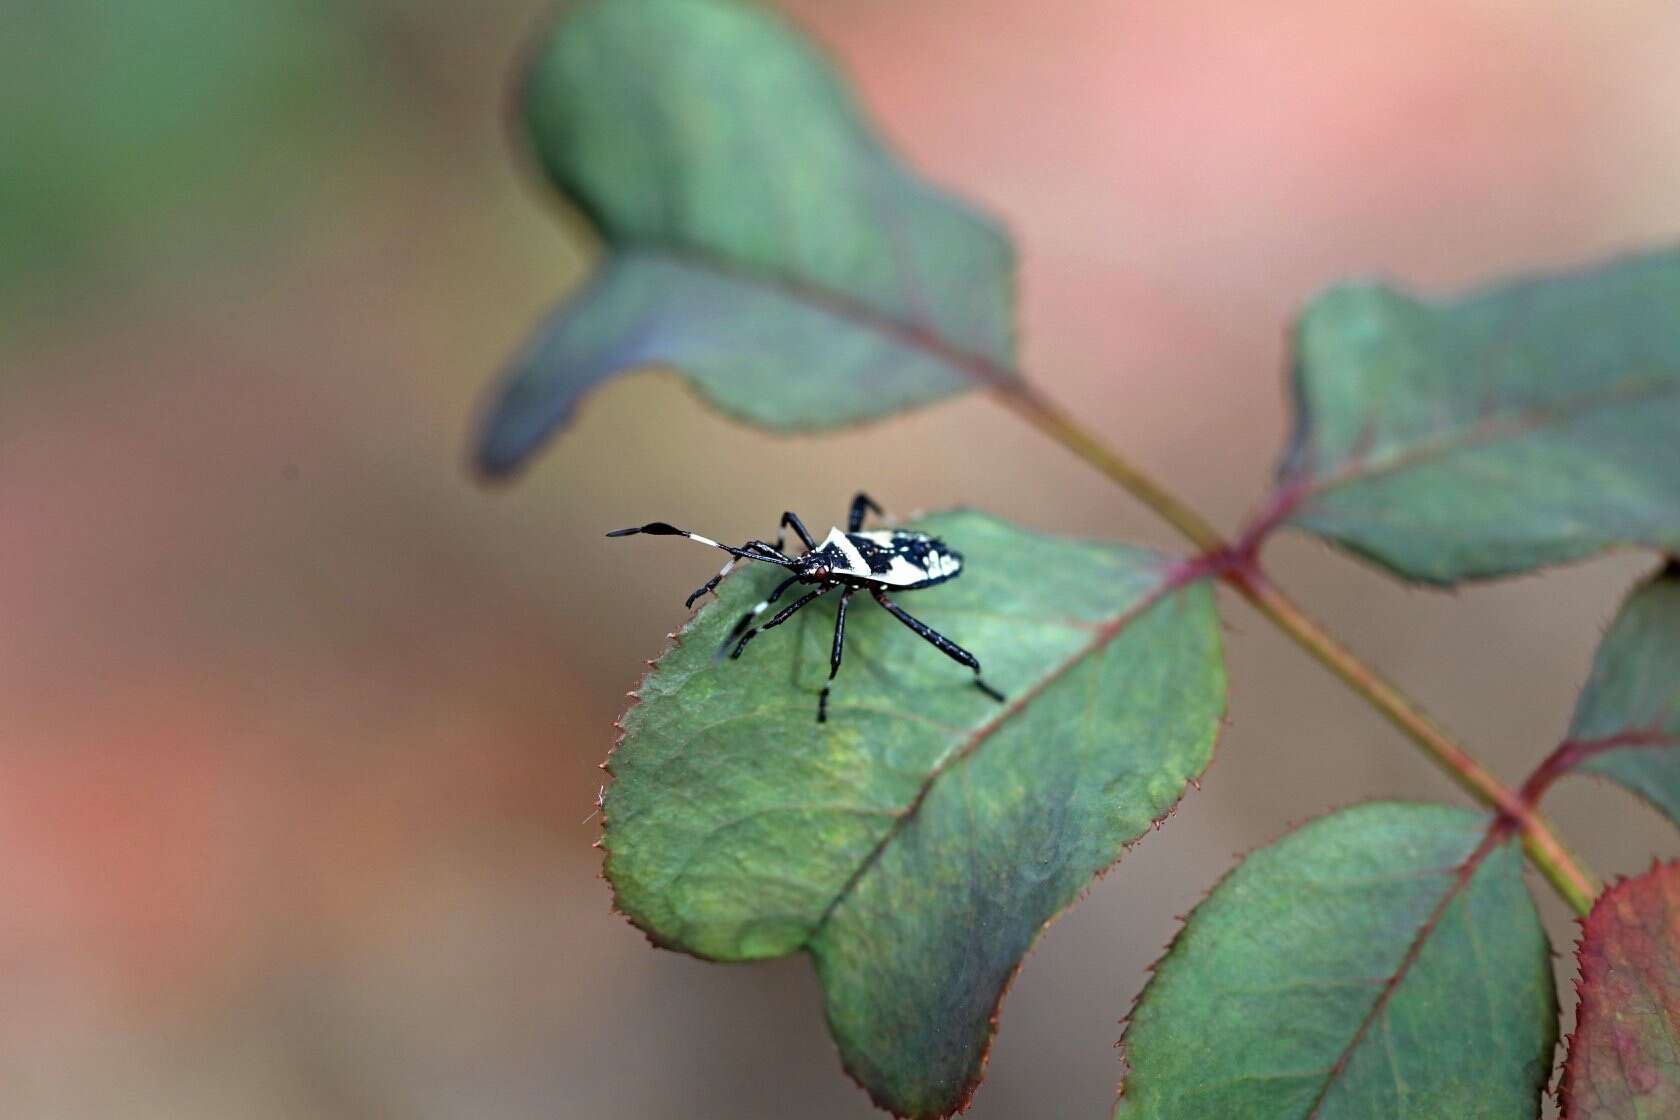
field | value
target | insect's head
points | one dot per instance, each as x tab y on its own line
820	564
813	567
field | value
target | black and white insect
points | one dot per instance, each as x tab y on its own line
852	560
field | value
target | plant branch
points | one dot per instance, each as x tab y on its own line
1237	565
1561	868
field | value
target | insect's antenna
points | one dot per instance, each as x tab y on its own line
754	550
660	529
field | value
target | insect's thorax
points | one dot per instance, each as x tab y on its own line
886	559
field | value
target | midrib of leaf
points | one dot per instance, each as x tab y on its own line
978	737
918	335
1585	749
1577	754
1461	879
1487	431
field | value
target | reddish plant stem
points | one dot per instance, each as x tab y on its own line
1237	565
1572	752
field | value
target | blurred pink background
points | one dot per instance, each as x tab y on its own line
299	724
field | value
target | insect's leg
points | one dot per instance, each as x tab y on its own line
752	550
746	619
711	584
939	642
839	647
756	549
861	503
790	520
782	616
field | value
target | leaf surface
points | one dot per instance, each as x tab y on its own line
916	843
1384	960
1525	425
1627	722
1624	1057
759	239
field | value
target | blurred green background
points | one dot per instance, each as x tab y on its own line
299	724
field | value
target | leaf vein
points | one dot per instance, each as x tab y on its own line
1380	1008
1489	430
1099	641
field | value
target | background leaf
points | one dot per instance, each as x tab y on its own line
1624	1057
759	238
1627	723
917	843
183	131
1382	961
1530	424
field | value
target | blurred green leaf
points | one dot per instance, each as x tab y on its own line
1530	424
917	842
1384	960
1627	723
130	124
759	238
1624	1057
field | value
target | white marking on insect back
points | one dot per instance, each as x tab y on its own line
855	564
901	570
903	573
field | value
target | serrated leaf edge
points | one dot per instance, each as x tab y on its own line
1567	1073
1498	832
1177	575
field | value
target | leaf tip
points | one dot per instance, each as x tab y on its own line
495	458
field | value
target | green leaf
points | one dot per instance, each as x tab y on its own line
759	238
1384	960
183	130
1530	424
1627	723
916	843
1624	1057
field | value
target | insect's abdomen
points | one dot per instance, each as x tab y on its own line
906	560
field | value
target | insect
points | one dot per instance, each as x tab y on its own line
851	560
